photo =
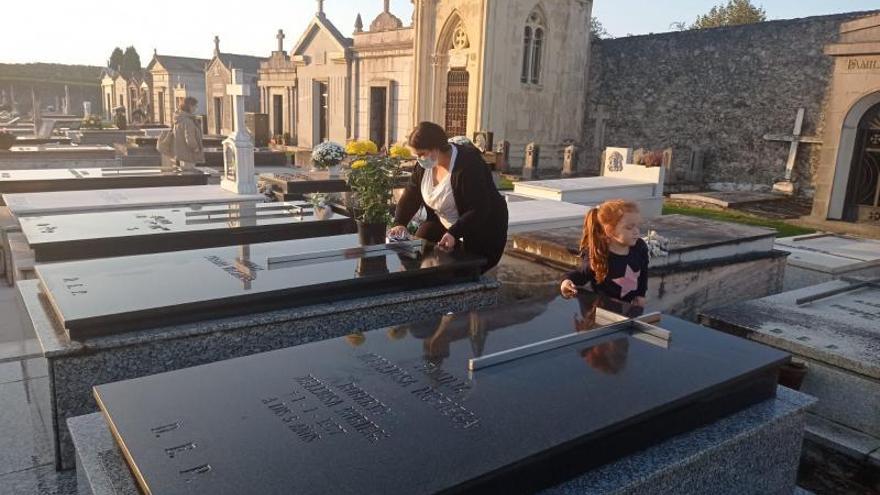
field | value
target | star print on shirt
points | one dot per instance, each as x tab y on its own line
629	282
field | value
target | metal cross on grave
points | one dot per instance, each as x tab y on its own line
795	139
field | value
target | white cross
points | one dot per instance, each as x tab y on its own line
795	139
238	90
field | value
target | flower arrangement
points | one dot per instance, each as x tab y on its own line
657	245
7	139
461	141
92	122
321	204
328	154
371	180
362	147
400	152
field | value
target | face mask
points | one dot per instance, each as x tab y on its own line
427	163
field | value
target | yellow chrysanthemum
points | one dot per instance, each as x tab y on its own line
361	148
370	147
358	164
401	152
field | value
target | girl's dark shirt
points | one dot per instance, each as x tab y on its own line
627	275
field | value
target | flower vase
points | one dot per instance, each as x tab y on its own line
371	234
323	212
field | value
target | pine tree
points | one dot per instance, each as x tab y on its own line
131	62
116	59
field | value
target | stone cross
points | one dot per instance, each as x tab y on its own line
570	161
795	139
216	45
533	158
238	149
320	7
280	37
387	7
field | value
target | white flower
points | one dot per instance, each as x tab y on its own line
328	154
657	244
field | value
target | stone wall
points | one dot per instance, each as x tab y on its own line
719	91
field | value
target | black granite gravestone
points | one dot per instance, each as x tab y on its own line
112	295
81	179
397	411
156	230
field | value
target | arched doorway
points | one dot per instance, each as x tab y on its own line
863	188
452	72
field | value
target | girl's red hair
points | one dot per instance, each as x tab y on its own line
597	225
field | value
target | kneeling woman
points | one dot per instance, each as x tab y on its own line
455	186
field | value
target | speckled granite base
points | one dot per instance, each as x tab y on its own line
75	367
754	451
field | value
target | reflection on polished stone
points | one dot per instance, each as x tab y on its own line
403	397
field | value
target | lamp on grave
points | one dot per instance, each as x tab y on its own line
238	149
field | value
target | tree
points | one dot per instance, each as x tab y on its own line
598	30
735	13
116	58
131	61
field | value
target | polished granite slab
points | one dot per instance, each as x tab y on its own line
113	295
116	199
154	230
294	185
397	411
73	179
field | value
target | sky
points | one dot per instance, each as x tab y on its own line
86	31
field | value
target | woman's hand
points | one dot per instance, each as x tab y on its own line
568	289
398	232
447	243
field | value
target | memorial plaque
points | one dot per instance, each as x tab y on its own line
112	295
397	411
79	179
157	230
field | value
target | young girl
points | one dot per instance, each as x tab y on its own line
615	258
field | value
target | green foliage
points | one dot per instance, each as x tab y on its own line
92	122
116	59
783	229
734	13
598	30
131	61
371	180
54	73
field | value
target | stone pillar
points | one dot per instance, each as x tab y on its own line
533	159
570	161
502	157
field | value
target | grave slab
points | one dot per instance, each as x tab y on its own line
78	179
134	316
378	399
74	236
823	257
709	262
711	459
104	200
533	215
835	328
619	179
107	137
728	199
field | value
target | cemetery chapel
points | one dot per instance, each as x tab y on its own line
468	65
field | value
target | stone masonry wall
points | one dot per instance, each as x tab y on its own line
717	90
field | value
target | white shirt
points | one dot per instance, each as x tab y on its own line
439	196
